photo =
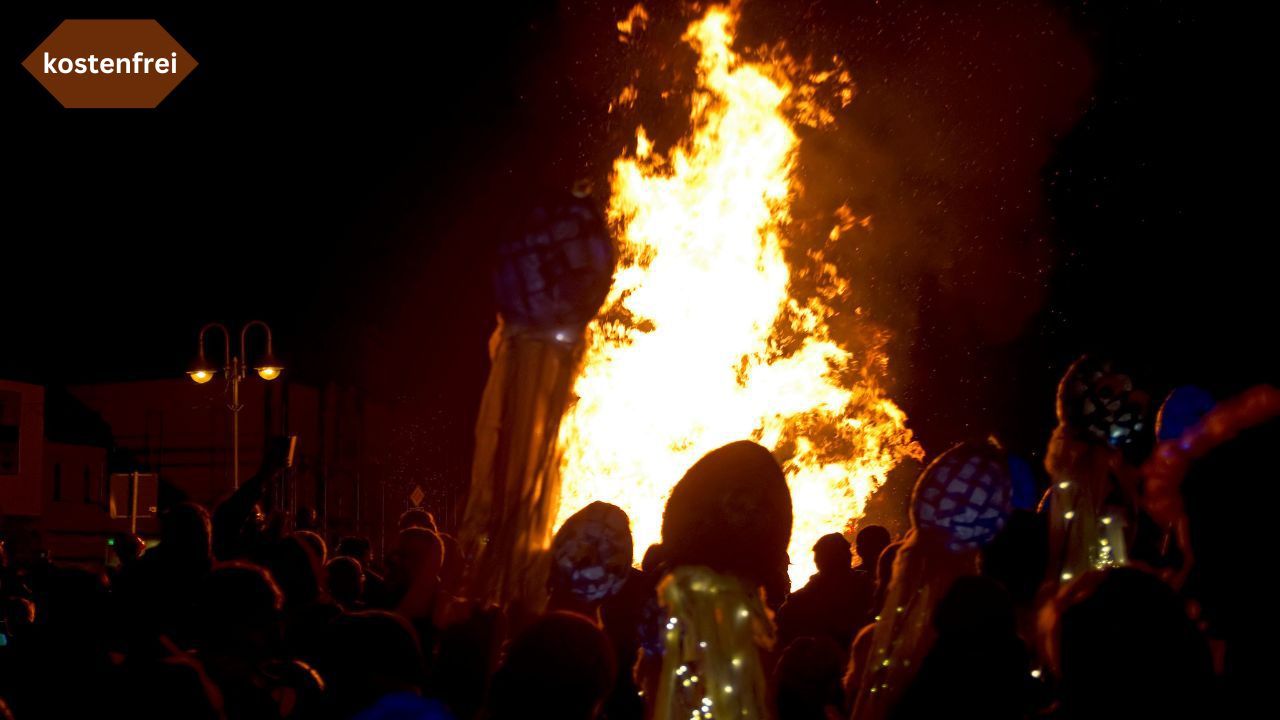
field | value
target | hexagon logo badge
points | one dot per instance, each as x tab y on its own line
109	63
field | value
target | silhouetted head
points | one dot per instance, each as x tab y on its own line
884	574
345	580
420	553
1126	648
367	655
653	558
296	569
237	611
731	512
561	667
127	546
185	531
870	542
832	554
315	542
884	565
590	556
417	518
355	547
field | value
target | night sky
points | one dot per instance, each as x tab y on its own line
1046	179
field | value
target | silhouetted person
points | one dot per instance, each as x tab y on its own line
154	592
236	628
869	543
315	542
884	575
376	594
345	582
808	679
307	608
978	667
560	667
64	667
1125	648
415	581
240	529
369	656
1229	497
171	687
835	601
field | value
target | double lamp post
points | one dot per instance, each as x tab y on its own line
233	367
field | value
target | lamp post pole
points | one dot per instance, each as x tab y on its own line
233	368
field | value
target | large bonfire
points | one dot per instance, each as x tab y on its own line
703	339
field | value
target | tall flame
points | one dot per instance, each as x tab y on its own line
701	342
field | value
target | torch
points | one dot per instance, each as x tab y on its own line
550	280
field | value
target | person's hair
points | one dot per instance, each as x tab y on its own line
420	548
561	666
237	607
354	547
884	564
345	580
871	541
832	554
731	512
654	557
297	569
367	655
417	517
315	542
185	528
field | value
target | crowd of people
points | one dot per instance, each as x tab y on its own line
1113	596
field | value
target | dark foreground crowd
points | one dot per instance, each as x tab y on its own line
1115	596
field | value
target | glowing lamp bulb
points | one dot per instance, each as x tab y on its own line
201	376
269	372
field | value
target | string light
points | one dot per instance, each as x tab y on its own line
1066	576
1064	485
1069	514
1036	673
1106	520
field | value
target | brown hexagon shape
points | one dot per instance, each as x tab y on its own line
114	40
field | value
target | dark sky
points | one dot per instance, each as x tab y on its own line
1047	179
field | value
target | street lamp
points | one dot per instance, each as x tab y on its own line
202	371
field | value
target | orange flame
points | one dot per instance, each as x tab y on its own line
701	343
